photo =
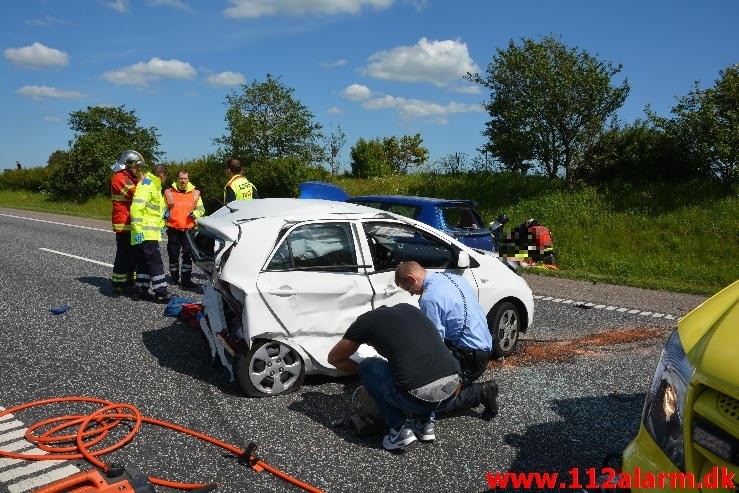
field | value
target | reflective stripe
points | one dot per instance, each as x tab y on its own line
152	206
137	219
151	228
139	201
121	227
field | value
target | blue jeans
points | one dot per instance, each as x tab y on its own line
378	380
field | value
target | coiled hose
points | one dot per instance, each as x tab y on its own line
93	428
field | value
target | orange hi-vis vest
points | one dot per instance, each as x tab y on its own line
184	206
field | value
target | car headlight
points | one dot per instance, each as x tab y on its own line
663	415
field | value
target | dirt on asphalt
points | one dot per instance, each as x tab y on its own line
533	351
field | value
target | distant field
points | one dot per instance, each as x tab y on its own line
682	238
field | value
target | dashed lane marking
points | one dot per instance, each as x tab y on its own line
77	257
600	306
18	475
57	223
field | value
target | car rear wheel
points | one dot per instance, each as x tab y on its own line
269	368
504	323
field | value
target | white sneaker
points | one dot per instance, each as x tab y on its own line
399	438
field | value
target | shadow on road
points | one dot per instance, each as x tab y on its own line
184	349
592	428
102	283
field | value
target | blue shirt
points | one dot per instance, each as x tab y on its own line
443	301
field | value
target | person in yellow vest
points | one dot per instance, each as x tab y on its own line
184	206
147	222
238	187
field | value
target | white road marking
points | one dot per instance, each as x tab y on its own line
606	307
28	469
13	469
10	424
49	477
77	257
58	223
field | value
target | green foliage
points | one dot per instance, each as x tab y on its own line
101	134
266	122
705	128
369	159
390	155
32	179
635	153
334	143
56	158
404	153
548	104
280	177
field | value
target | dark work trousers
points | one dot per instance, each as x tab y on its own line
469	396
124	265
176	242
149	268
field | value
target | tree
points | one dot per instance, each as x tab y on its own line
369	160
453	164
335	142
705	128
56	158
548	104
101	133
266	122
406	152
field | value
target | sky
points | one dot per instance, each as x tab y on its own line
373	68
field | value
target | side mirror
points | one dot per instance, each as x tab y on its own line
463	260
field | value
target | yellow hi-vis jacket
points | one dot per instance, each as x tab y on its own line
242	188
147	209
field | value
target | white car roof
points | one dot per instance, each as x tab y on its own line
226	219
252	209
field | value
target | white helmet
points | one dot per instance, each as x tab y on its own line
127	158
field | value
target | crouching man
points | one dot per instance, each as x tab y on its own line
418	377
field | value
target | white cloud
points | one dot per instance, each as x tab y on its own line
47	20
466	89
334	111
172	3
356	92
52	119
41	92
37	56
226	79
117	5
416	109
249	9
337	63
140	74
437	62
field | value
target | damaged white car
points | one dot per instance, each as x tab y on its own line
288	277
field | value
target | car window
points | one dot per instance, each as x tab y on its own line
393	243
461	217
316	246
404	210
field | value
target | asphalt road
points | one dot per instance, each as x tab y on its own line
571	396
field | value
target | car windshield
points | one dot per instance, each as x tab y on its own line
461	217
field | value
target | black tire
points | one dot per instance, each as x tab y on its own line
504	323
269	368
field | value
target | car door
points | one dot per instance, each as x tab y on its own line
316	285
391	243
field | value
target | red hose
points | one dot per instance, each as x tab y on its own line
93	428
